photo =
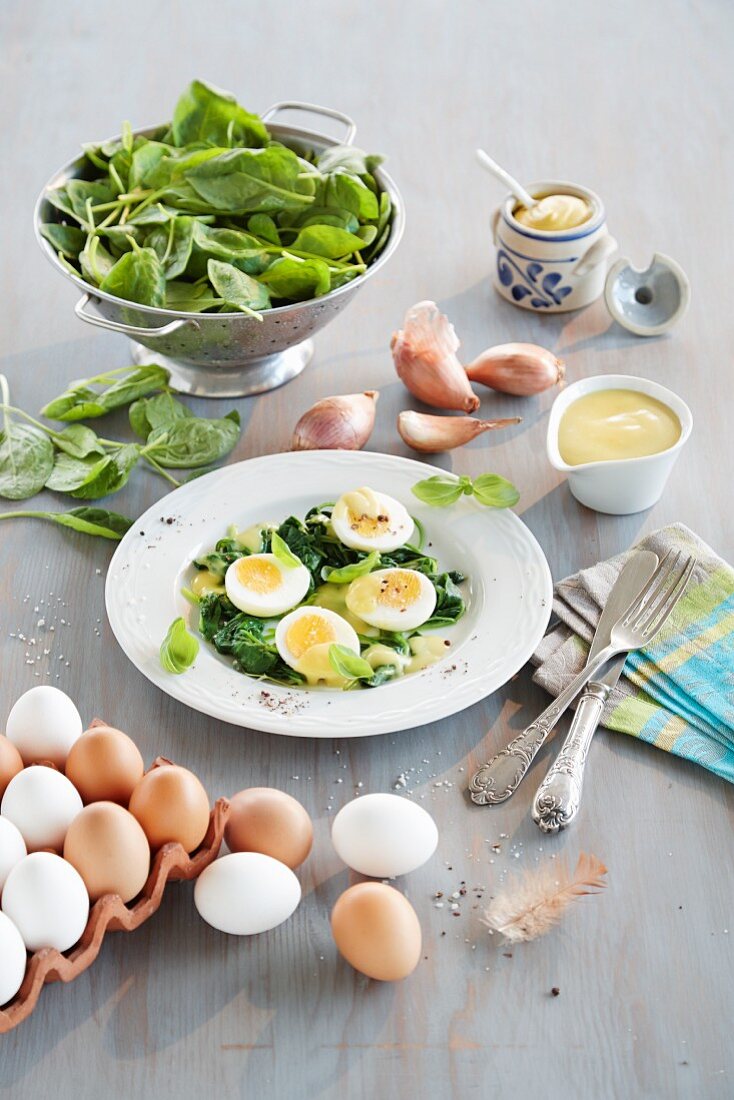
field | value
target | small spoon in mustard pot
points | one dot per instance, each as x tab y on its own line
509	181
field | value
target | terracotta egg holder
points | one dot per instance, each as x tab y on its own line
110	914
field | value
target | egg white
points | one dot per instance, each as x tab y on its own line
288	589
351	517
343	633
403	609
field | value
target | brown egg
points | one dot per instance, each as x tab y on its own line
262	819
376	930
11	762
171	805
109	850
105	765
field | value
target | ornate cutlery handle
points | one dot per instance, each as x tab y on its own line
495	781
559	795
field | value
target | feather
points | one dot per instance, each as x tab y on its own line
535	902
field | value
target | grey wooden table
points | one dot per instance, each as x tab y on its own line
633	99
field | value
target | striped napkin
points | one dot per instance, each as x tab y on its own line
678	694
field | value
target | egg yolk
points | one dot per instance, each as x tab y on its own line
369	526
258	574
398	589
306	632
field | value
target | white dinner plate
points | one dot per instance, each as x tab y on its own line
508	594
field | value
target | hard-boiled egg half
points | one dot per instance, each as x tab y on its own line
262	585
366	520
392	599
303	640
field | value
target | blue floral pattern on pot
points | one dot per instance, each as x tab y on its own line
529	281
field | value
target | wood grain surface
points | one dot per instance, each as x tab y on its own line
633	99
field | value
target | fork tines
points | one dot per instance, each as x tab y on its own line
660	595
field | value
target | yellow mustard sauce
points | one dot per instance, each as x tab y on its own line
316	667
205	582
425	651
554	213
251	538
334	598
613	424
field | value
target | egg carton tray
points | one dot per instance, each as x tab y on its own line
110	914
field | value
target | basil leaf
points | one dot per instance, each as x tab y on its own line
348	573
282	552
81	401
179	649
86	520
349	664
438	491
238	289
137	277
495	491
194	441
26	459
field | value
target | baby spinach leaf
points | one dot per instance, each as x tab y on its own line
59	198
263	226
348	158
189	442
208	114
296	279
250	181
450	604
238	290
78	441
26	459
348	573
179	649
96	262
69	240
137	277
350	193
172	244
150	413
86	520
328	241
81	401
143	162
92	477
82	192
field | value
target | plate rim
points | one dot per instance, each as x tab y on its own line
270	721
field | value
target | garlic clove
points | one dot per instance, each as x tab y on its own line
342	423
432	434
424	353
520	369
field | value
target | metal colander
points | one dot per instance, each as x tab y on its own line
232	354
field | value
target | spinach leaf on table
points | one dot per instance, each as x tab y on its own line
26	459
86	520
149	413
81	401
186	443
93	477
78	441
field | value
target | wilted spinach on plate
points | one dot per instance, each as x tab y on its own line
211	214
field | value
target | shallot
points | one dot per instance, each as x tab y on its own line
424	352
520	369
342	423
432	434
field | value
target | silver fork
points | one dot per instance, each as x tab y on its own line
495	781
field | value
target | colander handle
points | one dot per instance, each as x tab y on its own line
314	109
127	330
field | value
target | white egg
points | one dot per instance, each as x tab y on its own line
43	725
366	520
392	599
12	848
47	901
246	893
384	835
307	627
41	803
13	959
262	585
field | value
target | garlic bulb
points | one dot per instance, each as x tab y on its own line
424	352
432	434
342	423
521	369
